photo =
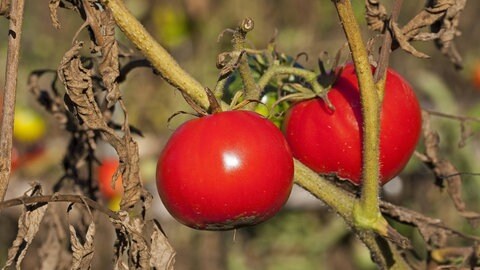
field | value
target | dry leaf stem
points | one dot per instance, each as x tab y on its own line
11	74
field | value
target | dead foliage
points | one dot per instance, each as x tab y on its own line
84	108
438	21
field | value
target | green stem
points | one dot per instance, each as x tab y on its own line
169	69
252	90
307	75
340	200
330	194
367	212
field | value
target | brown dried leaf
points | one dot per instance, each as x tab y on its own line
141	245
442	16
4	7
28	226
433	231
448	30
139	250
82	253
444	170
163	255
403	41
376	15
53	6
122	246
53	252
102	26
132	246
79	88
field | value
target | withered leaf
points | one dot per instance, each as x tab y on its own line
82	253
28	226
131	246
376	15
53	252
53	6
404	44
102	26
163	255
444	170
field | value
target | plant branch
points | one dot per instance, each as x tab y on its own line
381	71
452	116
343	203
169	69
59	198
367	213
252	90
11	74
335	197
309	76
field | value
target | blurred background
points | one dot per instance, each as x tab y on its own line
306	234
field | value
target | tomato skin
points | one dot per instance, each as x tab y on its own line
330	142
476	75
15	162
224	171
105	173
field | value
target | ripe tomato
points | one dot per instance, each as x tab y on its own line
476	75
331	141
224	171
105	173
15	163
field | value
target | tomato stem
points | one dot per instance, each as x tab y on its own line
251	90
367	212
307	75
336	197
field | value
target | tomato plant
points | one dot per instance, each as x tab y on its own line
330	141
225	170
105	171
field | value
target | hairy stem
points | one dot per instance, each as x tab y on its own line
307	75
252	90
339	199
11	74
367	213
169	69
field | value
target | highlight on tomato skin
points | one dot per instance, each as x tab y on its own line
330	141
224	171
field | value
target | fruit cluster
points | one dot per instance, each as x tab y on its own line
235	168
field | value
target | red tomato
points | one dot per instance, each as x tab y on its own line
224	171
105	174
15	163
330	142
476	75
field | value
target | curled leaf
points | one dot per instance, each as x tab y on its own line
82	253
28	226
